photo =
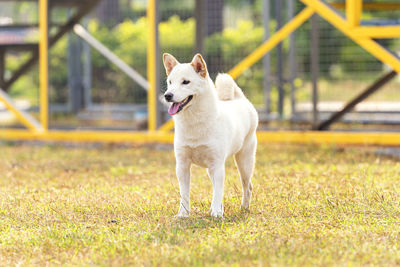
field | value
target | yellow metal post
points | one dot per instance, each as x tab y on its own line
353	12
43	63
151	65
275	39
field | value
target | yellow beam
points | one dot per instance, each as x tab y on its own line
369	45
371	6
151	67
275	39
353	12
43	63
89	136
345	138
377	31
306	137
22	116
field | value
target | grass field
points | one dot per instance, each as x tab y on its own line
312	205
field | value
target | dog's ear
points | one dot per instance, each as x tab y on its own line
199	65
169	62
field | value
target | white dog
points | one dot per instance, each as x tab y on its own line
211	124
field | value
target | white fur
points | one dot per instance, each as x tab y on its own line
226	87
209	130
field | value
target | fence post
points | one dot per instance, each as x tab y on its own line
267	58
75	84
44	63
279	58
199	17
292	60
314	68
152	73
87	71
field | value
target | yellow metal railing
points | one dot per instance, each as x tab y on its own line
350	26
301	137
371	6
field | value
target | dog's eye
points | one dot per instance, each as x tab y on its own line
185	82
169	81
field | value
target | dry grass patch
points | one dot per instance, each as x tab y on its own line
312	205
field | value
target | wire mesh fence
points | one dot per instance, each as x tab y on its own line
84	82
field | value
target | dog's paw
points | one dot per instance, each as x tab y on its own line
179	216
245	206
182	214
245	210
217	213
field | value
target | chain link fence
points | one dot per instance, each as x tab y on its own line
83	82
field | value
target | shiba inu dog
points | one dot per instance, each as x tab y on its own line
211	124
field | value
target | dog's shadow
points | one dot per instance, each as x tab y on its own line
201	221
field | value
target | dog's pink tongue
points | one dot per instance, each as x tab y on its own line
173	109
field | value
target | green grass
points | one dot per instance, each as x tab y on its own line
312	205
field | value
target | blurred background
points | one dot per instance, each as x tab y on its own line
88	91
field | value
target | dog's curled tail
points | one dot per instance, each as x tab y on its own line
226	87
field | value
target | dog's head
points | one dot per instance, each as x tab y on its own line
185	81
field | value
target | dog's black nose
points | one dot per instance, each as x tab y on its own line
169	96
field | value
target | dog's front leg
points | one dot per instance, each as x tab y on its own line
183	174
217	176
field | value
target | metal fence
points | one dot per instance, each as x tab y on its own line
85	83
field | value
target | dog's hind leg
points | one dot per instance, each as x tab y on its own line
183	174
245	160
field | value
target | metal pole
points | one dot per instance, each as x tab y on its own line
151	65
87	71
198	14
292	60
314	54
158	109
134	75
353	12
267	58
44	63
279	56
75	83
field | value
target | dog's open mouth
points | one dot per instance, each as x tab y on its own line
178	106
